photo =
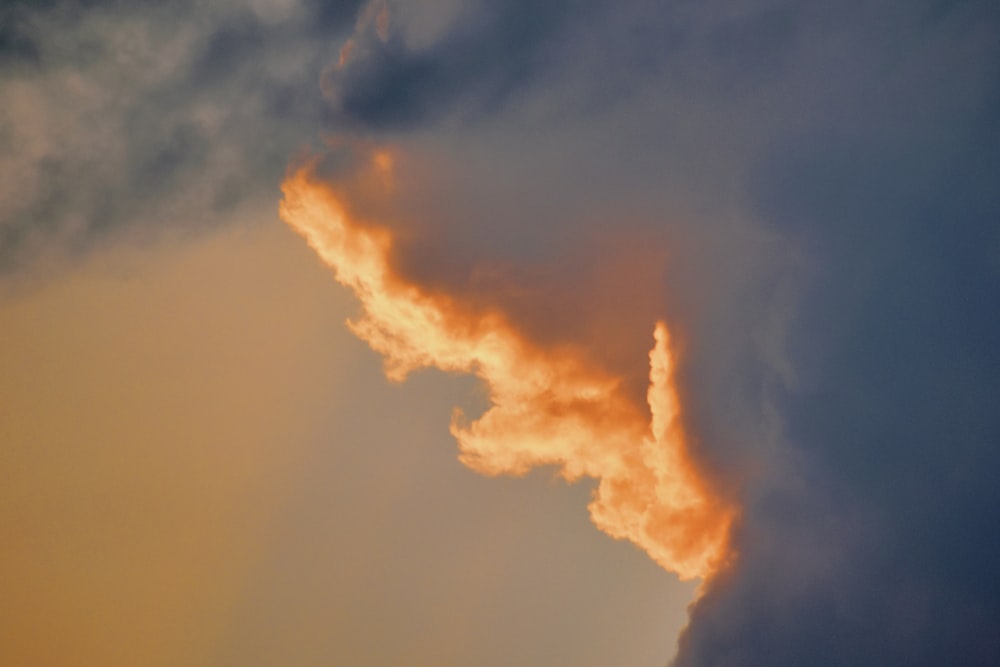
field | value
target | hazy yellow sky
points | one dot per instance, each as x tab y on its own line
202	466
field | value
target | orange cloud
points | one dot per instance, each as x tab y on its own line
550	403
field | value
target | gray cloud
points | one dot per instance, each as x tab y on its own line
488	52
892	421
123	116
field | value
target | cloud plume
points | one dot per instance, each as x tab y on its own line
549	405
813	188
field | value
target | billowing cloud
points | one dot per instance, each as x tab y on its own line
548	403
812	189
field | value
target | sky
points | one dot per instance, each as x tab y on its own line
471	332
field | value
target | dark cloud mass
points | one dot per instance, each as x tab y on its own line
845	372
895	413
882	551
817	184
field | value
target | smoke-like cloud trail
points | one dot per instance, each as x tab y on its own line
548	404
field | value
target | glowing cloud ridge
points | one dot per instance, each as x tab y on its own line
548	405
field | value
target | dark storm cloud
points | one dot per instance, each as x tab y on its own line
897	414
126	116
883	553
841	359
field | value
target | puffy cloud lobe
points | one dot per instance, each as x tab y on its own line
388	77
548	404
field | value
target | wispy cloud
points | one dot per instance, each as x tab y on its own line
120	118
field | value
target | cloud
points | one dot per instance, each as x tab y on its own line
888	411
812	187
804	194
118	119
548	403
416	68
